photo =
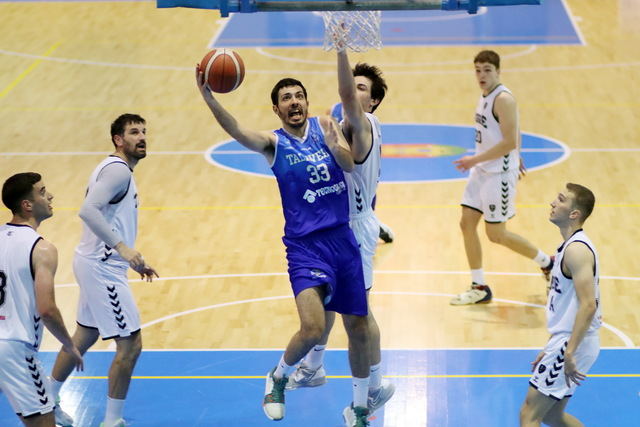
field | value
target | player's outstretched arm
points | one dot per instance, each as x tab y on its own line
261	142
337	144
45	264
355	123
579	260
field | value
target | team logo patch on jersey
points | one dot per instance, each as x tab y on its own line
492	208
309	196
541	368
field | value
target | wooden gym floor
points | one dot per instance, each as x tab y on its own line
69	68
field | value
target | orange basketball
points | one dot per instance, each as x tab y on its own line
223	69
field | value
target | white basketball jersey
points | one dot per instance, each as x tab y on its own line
19	319
488	134
122	216
562	302
363	180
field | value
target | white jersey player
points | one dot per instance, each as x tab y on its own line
385	233
491	189
106	307
574	315
27	267
361	91
120	214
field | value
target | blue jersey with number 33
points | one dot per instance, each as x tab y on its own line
312	185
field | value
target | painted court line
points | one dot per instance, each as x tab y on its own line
29	69
337	377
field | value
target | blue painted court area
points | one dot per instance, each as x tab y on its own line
548	23
480	388
410	153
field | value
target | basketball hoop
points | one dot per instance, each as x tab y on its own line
357	31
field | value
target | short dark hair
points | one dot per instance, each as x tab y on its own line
286	83
488	56
17	188
378	85
118	125
584	199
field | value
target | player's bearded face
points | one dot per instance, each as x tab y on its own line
292	106
135	141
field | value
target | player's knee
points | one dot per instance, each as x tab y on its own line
496	235
129	349
554	419
374	330
358	328
312	332
525	414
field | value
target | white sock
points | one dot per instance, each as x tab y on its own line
477	276
114	411
282	369
542	259
56	386
360	391
375	376
315	357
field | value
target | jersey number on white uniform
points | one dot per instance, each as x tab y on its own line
318	173
3	286
478	137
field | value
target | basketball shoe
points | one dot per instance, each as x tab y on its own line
546	271
355	417
307	377
478	294
273	403
386	234
62	418
377	398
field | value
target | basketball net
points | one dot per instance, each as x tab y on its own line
357	31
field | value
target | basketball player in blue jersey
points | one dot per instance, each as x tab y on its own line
361	91
385	233
494	171
308	157
574	315
28	266
106	307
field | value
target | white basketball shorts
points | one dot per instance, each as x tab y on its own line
366	228
23	380
548	376
493	194
106	302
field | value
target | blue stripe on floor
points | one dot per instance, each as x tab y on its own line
422	397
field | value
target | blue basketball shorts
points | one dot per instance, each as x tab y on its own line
329	259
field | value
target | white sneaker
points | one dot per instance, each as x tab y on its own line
62	418
273	403
385	233
119	423
307	377
377	398
478	294
355	417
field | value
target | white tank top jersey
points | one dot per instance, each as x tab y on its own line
121	214
488	134
363	180
19	319
562	302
